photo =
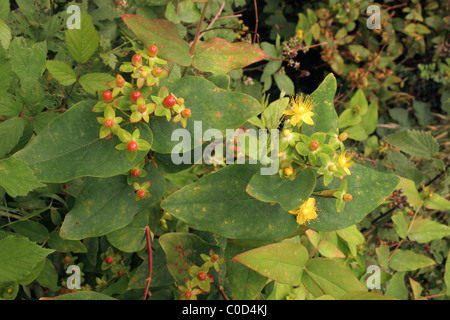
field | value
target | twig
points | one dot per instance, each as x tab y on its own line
150	262
256	22
315	249
221	291
433	296
213	20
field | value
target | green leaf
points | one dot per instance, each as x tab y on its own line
328	277
18	257
11	131
82	43
218	203
33	274
184	250
417	143
17	178
35	231
4	9
326	248
162	33
358	295
5	35
437	202
425	230
325	116
28	62
290	194
218	56
106	205
368	187
70	147
245	284
282	262
284	83
94	82
62	245
404	260
81	295
9	108
383	254
400	225
397	287
131	238
212	108
48	278
447	273
357	133
62	72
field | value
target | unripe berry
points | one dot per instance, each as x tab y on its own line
144	74
343	136
143	107
286	132
169	101
141	194
314	145
120	81
67	260
348	197
132	146
109	260
137	60
135	95
135	172
186	113
107	96
157	71
188	294
180	101
214	258
201	276
332	168
152	51
109	123
288	171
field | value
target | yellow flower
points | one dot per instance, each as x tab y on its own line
301	110
344	161
306	212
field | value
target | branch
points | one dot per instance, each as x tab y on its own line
150	262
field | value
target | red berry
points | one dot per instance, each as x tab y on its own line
120	274
348	197
214	258
132	146
135	95
135	172
210	277
143	107
153	51
141	194
314	145
188	294
109	123
137	60
109	260
120	81
202	276
67	259
157	71
107	96
343	136
169	101
186	113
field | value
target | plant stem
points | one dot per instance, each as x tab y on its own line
315	249
150	262
221	291
197	34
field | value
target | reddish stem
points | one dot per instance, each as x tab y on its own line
150	262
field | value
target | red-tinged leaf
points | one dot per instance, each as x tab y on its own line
163	34
218	56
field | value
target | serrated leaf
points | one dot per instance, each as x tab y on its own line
17	178
18	257
82	43
94	82
62	72
417	143
282	262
